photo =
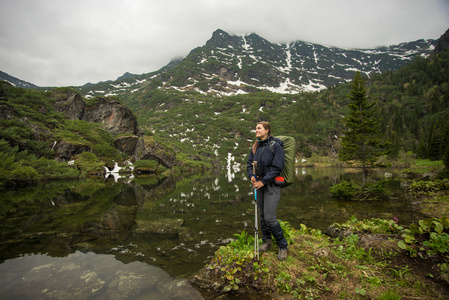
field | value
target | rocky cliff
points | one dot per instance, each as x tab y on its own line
116	119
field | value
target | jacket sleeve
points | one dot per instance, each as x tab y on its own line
249	164
277	165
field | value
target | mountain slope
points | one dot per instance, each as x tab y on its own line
199	106
236	64
16	81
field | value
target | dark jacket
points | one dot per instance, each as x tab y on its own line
270	164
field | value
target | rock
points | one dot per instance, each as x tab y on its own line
116	118
335	232
126	144
385	242
443	43
148	148
366	240
65	151
69	103
322	252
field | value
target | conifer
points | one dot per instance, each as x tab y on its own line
362	140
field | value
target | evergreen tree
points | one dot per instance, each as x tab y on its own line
361	142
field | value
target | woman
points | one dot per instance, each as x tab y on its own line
269	166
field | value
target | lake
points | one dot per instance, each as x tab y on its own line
116	238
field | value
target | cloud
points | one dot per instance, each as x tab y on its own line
56	42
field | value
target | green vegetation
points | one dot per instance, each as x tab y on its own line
361	258
90	135
362	139
333	268
32	128
21	167
352	191
202	129
411	107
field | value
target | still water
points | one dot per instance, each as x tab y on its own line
141	239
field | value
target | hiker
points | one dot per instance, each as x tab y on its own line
269	166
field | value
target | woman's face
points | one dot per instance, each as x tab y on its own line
261	132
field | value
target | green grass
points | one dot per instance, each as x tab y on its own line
320	267
427	163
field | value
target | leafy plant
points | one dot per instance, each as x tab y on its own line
243	240
428	237
288	231
423	186
373	225
235	262
400	273
438	243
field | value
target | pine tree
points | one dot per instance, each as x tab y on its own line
361	142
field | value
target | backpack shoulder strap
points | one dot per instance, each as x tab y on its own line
274	141
271	145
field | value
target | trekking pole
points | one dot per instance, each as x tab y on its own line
256	222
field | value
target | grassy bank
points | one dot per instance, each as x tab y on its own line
359	259
362	262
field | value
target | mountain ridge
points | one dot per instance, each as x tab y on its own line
230	64
16	81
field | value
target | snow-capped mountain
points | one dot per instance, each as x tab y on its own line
16	81
251	61
234	64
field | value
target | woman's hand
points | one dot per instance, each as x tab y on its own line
257	185
253	180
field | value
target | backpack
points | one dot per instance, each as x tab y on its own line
289	145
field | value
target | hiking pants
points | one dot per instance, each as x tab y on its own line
268	198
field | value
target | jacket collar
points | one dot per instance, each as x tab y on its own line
265	141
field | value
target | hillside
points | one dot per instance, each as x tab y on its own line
184	120
57	134
410	100
16	81
208	102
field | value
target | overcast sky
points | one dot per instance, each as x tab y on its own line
72	42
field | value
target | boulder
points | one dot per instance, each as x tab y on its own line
116	118
126	144
148	148
69	103
65	151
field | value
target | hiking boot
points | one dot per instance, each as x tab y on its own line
265	246
282	254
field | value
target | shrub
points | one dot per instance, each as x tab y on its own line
143	163
344	190
24	174
88	162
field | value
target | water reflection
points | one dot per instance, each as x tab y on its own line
88	276
309	202
173	224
